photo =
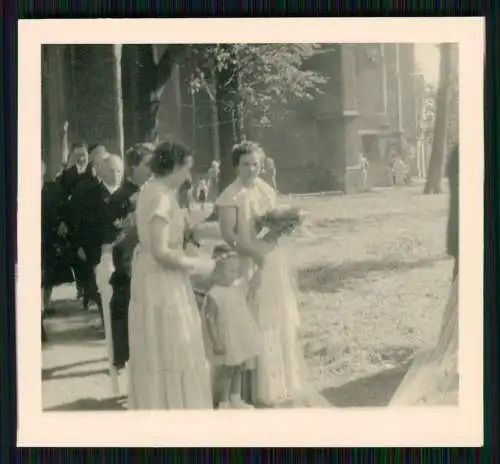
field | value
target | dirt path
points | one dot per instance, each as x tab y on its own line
75	377
74	374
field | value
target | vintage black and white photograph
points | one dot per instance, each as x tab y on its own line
249	226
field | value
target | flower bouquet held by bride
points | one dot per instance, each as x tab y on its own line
279	222
281	372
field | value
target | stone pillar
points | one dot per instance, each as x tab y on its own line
350	119
326	112
348	72
98	105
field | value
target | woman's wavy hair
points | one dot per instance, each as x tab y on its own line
245	148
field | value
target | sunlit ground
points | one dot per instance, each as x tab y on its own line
373	280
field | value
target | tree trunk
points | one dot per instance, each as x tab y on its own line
227	101
147	75
215	123
435	173
131	81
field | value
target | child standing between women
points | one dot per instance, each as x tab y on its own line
231	335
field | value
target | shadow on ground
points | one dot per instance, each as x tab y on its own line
67	307
331	278
50	373
374	391
74	375
92	404
69	323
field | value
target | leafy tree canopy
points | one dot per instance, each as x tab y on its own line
270	76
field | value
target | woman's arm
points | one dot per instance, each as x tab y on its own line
241	242
159	230
212	313
273	179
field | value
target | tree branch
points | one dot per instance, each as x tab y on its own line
210	93
169	58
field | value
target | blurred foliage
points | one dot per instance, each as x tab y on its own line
270	76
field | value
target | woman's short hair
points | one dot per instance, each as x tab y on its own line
245	148
136	154
78	145
167	155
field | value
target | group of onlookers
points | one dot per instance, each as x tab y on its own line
83	210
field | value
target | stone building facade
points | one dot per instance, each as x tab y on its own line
370	106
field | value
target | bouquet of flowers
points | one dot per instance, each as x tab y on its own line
280	222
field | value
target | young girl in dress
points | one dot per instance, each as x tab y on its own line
231	334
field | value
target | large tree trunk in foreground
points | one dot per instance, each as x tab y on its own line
146	77
436	164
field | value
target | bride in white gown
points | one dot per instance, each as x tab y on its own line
279	374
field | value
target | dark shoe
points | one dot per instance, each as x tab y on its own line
48	312
119	366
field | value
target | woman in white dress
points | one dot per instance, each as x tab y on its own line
278	375
167	366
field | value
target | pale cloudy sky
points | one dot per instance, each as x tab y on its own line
427	59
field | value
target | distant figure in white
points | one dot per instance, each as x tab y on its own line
400	170
202	192
213	180
269	172
363	165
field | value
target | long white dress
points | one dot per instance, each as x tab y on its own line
167	368
279	374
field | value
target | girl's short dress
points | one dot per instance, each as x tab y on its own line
237	327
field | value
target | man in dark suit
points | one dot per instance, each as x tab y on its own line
77	212
79	171
79	168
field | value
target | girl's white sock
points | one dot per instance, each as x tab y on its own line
235	397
